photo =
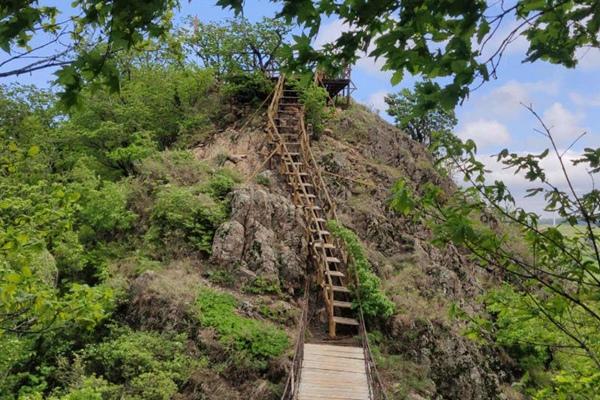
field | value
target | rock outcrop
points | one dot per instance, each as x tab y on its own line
264	238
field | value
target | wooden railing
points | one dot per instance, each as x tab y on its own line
293	382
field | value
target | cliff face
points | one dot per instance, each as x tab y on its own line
262	252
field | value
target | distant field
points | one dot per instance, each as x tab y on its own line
570	231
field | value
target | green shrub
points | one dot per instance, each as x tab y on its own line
172	166
247	341
244	88
260	285
187	215
148	365
374	301
92	388
314	98
263	180
104	209
220	184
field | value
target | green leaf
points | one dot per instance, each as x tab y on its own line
483	30
33	151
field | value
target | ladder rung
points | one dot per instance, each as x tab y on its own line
335	273
308	195
324	245
307	184
345	321
314	208
342	289
299	173
333	260
343	304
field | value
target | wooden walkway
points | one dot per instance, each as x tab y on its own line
333	373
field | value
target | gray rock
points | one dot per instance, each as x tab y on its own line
264	237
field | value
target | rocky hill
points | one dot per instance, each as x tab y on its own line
168	245
259	255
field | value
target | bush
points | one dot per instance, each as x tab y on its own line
173	166
244	88
104	209
185	214
92	388
220	184
147	365
247	341
373	300
314	98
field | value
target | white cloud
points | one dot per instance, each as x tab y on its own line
518	184
485	133
585	101
506	101
332	31
564	125
588	59
377	101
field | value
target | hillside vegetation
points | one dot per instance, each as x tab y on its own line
149	249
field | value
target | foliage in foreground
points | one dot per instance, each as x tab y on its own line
130	365
373	300
547	316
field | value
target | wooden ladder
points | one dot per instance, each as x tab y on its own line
298	165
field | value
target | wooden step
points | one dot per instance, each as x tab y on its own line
341	289
335	273
342	304
324	245
333	260
307	195
345	321
299	173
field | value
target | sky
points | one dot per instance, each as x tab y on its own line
567	99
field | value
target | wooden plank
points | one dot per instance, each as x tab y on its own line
332	347
334	353
345	321
333	372
347	367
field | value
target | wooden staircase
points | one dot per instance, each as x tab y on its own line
288	135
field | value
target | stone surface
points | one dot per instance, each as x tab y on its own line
265	236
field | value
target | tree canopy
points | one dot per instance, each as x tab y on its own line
461	41
419	124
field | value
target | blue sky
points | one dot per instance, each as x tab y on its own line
567	99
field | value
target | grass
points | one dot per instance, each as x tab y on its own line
248	341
